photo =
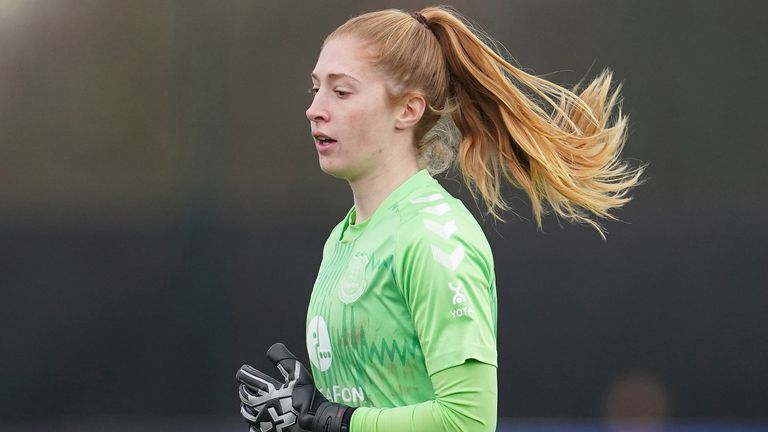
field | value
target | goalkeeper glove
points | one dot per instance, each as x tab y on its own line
268	405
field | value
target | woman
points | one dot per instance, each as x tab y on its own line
401	329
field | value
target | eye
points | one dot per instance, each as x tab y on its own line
313	91
341	93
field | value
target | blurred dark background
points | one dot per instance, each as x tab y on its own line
162	212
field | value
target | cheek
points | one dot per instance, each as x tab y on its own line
371	119
365	123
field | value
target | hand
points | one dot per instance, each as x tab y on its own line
268	405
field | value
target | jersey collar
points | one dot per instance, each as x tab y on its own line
414	182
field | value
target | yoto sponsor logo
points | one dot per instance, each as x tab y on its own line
458	297
319	344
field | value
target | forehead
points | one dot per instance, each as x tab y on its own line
345	56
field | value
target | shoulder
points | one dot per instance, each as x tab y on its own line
433	212
433	221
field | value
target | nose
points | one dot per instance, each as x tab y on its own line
316	112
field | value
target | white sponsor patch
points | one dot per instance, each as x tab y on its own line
458	297
448	260
465	311
319	344
443	230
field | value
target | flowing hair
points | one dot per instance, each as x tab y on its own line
561	146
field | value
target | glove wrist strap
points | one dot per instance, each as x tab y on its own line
346	420
332	417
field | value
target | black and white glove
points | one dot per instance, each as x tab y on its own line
294	405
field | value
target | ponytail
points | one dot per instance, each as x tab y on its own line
558	145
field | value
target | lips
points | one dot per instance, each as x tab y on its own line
322	141
323	138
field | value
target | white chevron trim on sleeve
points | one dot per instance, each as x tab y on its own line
449	261
426	199
444	231
437	210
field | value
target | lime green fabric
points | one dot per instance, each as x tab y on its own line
465	401
404	295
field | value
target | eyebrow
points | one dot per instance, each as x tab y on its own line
336	76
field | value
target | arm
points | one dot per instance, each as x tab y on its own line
465	400
462	402
445	273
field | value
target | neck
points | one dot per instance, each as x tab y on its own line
369	192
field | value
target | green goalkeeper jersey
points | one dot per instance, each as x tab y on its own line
405	294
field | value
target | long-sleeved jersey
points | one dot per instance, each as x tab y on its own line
400	297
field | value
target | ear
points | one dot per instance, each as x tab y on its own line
410	111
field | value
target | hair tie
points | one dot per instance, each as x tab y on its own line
421	19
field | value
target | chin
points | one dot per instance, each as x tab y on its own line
339	172
332	170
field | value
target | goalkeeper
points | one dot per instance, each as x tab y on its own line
401	325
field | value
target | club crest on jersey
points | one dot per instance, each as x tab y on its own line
353	282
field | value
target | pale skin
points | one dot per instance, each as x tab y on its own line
360	134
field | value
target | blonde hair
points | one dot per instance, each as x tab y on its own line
556	144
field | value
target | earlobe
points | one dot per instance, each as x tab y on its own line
411	112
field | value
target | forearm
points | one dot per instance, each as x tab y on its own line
465	400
